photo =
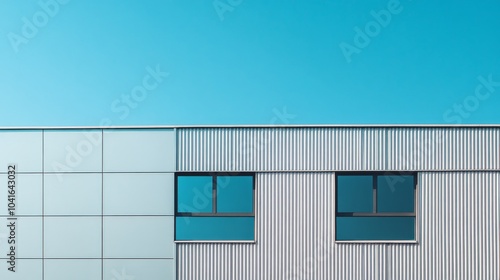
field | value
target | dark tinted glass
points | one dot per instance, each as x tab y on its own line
375	228
194	194
234	194
214	228
354	193
395	194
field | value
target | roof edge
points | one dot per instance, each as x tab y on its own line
256	126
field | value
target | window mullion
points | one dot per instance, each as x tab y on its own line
374	194
214	194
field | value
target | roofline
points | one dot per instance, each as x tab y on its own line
256	126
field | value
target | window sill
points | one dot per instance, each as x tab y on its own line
216	241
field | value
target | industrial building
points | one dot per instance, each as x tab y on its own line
250	202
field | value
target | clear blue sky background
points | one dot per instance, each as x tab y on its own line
248	62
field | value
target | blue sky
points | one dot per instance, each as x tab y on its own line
74	62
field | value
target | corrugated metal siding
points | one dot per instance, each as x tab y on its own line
269	149
443	149
460	228
294	214
374	149
458	231
335	149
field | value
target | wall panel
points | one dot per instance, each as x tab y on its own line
458	234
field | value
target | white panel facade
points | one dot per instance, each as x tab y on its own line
22	147
29	198
89	203
29	238
124	237
72	237
121	194
72	151
73	269
139	150
31	270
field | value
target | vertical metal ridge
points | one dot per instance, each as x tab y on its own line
459	226
271	149
458	234
439	149
320	149
294	234
458	215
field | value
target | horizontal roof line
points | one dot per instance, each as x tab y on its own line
259	126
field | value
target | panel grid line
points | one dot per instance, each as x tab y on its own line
43	204
102	204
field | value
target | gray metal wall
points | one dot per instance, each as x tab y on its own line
327	149
458	215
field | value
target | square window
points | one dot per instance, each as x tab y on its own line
215	207
375	207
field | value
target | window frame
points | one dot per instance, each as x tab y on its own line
374	213
214	212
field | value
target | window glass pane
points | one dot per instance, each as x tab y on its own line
234	194
395	194
194	194
214	228
375	228
354	193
